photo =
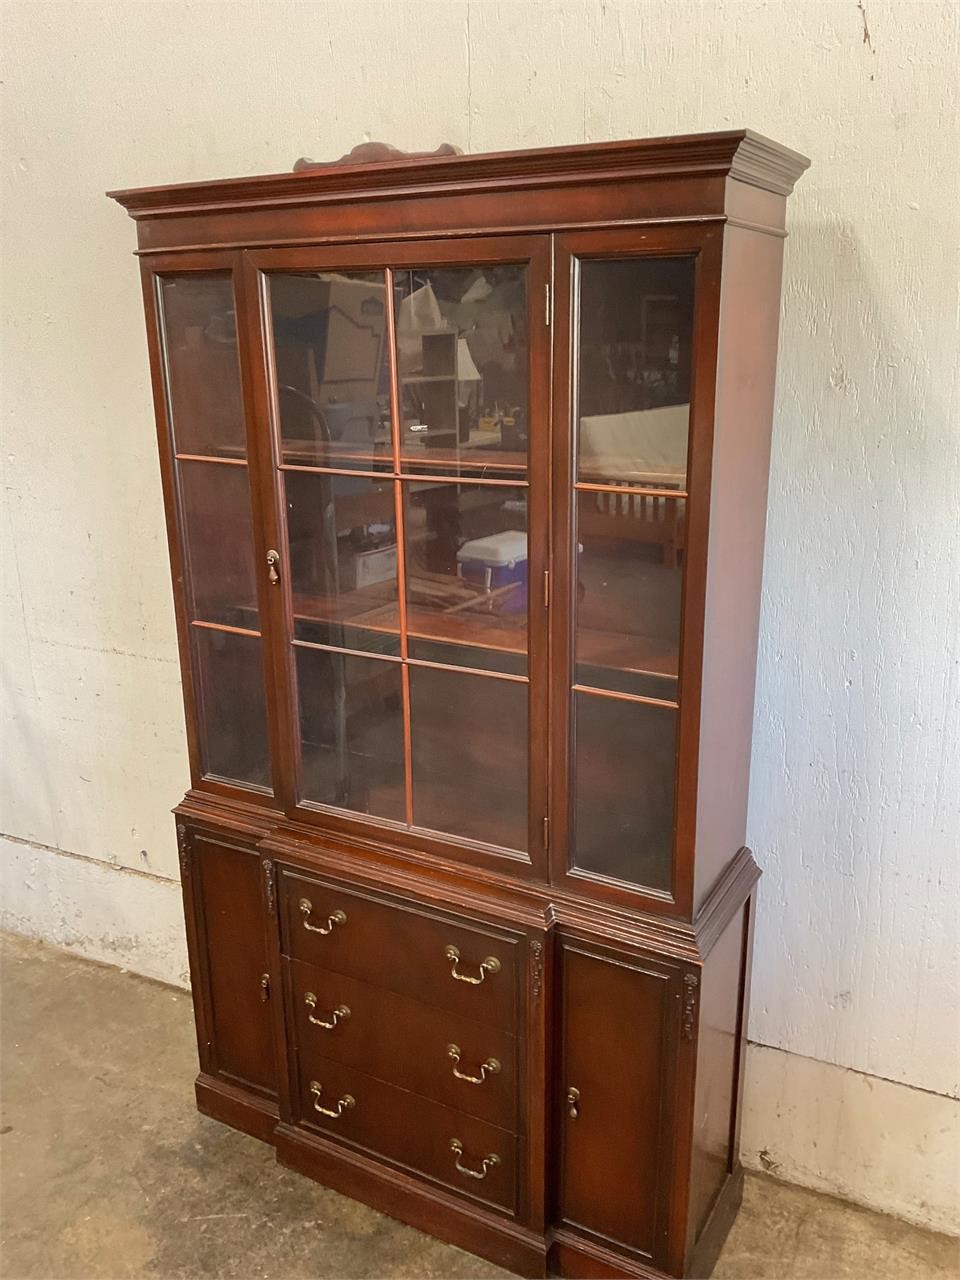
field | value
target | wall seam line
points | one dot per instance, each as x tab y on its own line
86	857
857	1071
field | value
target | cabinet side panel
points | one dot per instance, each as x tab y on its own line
717	1057
746	371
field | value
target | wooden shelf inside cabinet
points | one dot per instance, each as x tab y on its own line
464	463
363	614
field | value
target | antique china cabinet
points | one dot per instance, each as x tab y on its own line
465	466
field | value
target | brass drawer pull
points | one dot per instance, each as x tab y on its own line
340	1014
346	1103
490	1067
490	965
335	918
487	1163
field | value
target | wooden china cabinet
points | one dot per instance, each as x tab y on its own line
465	467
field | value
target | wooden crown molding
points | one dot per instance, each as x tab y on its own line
740	154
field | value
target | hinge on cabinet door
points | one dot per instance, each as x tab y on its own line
546	833
546	588
270	884
546	309
183	849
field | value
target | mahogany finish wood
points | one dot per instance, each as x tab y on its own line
402	948
405	1042
386	1003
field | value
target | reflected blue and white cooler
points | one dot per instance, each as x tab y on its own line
496	563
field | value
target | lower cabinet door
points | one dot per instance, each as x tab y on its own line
230	952
619	1027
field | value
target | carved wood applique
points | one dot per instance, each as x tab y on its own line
183	849
536	968
691	982
376	153
270	885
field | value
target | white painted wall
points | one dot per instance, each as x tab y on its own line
855	809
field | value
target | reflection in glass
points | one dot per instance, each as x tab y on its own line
469	737
466	574
203	373
232	714
332	376
343	560
634	355
623	789
218	543
351	726
462	360
628	592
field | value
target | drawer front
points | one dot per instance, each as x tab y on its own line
413	1132
465	968
468	1066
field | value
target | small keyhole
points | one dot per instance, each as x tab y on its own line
573	1103
273	559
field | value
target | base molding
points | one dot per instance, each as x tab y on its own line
576	1258
236	1107
405	1198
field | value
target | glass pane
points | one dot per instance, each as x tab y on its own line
199	327
469	739
463	367
333	383
635	339
343	560
218	543
233	721
623	793
351	729
466	574
628	592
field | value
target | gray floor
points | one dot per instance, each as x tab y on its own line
108	1171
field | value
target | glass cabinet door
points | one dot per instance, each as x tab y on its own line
402	406
631	408
197	331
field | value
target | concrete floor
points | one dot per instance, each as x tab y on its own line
108	1171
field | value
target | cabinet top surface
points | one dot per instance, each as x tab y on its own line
740	154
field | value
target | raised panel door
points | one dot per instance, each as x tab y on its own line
616	1066
234	974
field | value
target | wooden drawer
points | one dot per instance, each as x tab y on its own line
404	1042
469	969
410	1131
